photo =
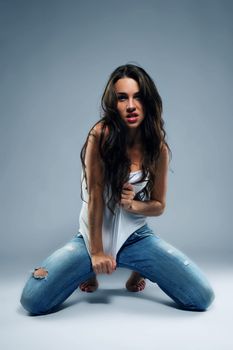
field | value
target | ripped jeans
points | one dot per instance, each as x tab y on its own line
145	252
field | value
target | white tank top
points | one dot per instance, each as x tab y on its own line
115	228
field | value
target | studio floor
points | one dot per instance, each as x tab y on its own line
113	318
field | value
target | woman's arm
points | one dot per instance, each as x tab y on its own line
94	171
95	191
156	205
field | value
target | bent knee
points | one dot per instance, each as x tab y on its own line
33	296
201	300
32	305
207	299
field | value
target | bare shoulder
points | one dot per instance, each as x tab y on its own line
97	130
160	184
164	153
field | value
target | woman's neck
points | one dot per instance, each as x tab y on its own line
133	137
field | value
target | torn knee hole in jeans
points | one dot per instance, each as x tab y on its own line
40	273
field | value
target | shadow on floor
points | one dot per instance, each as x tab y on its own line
108	296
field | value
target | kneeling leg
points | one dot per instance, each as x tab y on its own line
57	277
177	275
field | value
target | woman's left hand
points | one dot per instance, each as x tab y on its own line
127	196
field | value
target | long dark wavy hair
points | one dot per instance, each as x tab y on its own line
113	144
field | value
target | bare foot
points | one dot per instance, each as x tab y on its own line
136	282
90	285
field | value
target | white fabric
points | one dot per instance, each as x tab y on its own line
116	228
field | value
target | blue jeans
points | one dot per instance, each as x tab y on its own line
144	252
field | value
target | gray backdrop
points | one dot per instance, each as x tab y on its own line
56	57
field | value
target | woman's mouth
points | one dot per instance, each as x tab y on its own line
132	118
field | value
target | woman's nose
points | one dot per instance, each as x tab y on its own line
130	106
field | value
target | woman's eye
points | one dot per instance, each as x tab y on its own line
121	98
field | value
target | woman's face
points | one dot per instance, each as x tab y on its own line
129	104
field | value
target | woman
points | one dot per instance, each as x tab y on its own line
124	166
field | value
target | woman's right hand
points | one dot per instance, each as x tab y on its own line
103	263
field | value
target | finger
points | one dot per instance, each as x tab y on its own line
128	193
109	267
126	202
96	269
128	196
110	264
124	196
128	186
127	189
103	267
113	261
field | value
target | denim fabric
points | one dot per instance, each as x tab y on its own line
144	251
